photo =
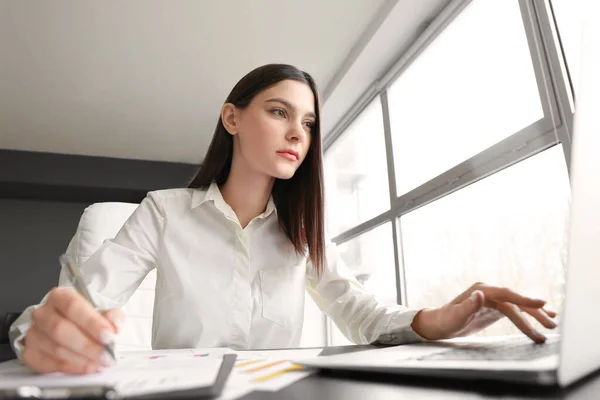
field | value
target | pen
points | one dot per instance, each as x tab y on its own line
77	279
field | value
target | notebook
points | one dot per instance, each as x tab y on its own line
137	375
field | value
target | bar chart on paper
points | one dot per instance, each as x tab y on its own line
270	370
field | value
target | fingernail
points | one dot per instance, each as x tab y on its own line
106	360
119	321
107	337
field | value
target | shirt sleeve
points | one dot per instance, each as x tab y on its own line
116	269
357	313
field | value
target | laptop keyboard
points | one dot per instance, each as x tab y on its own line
500	352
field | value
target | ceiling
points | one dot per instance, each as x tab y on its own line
145	79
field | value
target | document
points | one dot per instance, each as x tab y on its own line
268	370
155	371
136	373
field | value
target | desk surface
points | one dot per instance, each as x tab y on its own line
360	385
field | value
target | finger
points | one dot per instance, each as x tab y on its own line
116	317
465	295
550	313
56	357
64	333
79	311
541	316
467	309
513	313
43	363
505	295
39	360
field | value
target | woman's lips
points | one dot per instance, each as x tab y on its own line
289	156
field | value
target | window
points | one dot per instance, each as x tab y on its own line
508	229
356	173
569	20
473	86
371	258
500	219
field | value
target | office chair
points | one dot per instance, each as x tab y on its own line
99	222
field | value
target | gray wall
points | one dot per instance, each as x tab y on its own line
33	233
42	196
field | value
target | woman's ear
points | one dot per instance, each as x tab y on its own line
229	118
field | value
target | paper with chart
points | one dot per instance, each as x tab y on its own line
136	373
153	371
269	369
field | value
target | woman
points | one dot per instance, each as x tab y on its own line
237	250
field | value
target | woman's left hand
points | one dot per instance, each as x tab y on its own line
479	307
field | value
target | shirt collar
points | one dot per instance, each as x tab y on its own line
213	194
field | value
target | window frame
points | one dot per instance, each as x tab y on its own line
554	128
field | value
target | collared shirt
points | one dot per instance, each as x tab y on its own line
221	285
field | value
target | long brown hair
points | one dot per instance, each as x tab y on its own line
299	200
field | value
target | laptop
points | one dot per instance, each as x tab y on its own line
574	352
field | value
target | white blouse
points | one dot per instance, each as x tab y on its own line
219	285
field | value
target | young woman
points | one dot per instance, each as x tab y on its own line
237	250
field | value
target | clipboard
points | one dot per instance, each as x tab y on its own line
109	393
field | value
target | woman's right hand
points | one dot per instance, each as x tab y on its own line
67	335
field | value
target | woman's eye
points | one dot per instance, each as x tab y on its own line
279	112
309	124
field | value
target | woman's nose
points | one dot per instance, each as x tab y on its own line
297	133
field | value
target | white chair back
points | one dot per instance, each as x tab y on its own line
103	221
